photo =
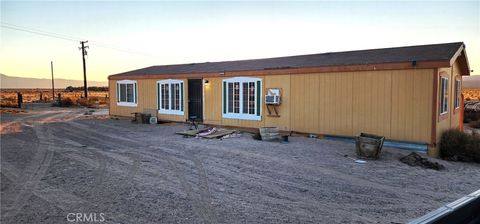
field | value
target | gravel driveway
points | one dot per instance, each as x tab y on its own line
59	162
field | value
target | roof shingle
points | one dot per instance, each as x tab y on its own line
361	57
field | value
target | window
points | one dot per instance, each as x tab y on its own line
241	98
458	93
127	93
443	95
170	96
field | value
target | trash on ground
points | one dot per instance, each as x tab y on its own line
360	161
354	159
369	146
209	133
206	132
218	133
233	135
414	159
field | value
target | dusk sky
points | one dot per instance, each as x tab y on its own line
130	35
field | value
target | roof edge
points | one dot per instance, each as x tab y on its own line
285	71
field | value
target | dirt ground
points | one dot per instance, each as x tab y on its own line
57	161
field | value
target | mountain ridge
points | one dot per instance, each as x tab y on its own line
15	82
471	82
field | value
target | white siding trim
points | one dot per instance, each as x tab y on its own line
123	103
241	115
159	97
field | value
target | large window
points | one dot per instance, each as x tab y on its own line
458	93
127	93
170	96
241	98
443	95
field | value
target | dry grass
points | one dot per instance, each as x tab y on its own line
8	97
471	94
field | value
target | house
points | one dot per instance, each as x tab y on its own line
405	93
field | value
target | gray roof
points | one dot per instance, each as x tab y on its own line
431	52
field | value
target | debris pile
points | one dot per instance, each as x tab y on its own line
414	159
210	133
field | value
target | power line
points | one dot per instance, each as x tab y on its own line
37	32
69	38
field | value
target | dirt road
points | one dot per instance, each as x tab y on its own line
58	162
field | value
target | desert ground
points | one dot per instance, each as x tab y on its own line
57	161
8	97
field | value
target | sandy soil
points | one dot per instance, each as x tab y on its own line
59	161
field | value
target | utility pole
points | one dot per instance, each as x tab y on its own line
84	53
53	83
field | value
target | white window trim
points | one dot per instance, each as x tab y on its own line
442	97
159	97
241	115
127	104
458	93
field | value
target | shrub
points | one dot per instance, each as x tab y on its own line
65	102
457	145
88	102
469	116
475	124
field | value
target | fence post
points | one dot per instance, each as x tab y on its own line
19	99
59	97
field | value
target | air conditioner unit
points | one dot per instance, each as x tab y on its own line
153	120
272	99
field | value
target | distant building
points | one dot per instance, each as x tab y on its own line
405	93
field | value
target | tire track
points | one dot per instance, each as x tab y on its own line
33	184
202	206
205	195
34	172
63	200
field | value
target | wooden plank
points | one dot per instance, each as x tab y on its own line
191	132
219	133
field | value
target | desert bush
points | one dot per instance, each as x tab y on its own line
88	102
459	146
470	116
64	102
475	124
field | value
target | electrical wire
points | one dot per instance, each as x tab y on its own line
34	31
69	38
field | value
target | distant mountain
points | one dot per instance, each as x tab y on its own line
471	82
12	82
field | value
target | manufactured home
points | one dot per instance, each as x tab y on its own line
407	94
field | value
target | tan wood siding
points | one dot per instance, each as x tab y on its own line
147	100
212	95
282	82
393	103
452	119
396	104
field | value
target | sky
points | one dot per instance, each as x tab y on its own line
128	35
